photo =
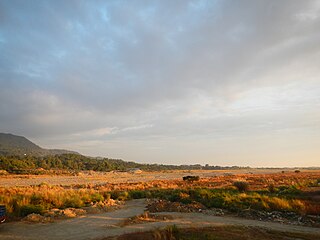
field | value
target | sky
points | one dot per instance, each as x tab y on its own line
173	82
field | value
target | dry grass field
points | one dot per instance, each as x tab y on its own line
91	177
293	197
44	192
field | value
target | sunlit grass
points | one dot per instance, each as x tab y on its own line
45	197
284	195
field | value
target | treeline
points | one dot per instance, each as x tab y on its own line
74	162
77	162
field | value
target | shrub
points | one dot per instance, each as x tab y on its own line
120	195
174	196
97	197
106	196
137	194
215	202
28	209
74	202
123	196
242	186
115	194
184	198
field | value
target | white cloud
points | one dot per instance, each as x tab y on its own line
162	80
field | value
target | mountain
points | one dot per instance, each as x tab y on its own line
18	145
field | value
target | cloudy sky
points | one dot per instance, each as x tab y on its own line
174	82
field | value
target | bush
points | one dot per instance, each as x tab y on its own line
241	186
184	198
74	202
115	194
137	194
215	202
106	196
28	209
97	197
120	195
174	196
123	196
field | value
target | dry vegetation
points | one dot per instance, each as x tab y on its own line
214	233
291	191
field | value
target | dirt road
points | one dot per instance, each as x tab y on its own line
103	225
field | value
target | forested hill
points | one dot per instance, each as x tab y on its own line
77	162
18	146
20	155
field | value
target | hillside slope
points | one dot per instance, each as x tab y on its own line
18	145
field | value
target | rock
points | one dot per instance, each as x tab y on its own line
37	218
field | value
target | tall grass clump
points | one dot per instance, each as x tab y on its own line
21	201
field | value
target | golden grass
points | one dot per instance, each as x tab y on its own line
21	200
47	197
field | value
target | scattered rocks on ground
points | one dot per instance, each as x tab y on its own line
93	208
65	213
282	217
145	217
105	206
215	212
37	218
158	205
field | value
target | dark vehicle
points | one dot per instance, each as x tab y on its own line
2	213
191	178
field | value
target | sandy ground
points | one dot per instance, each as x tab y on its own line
118	177
104	225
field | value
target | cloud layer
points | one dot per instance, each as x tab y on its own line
218	82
